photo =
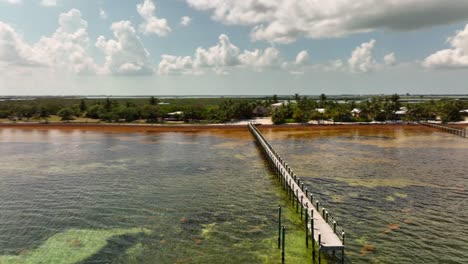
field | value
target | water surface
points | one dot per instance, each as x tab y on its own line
91	197
399	192
208	197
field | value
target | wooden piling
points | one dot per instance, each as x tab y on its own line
342	250
312	233
279	226
320	246
306	225
283	243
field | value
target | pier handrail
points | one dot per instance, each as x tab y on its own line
297	187
455	131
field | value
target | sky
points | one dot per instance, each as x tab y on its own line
232	47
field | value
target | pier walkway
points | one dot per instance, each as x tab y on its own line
322	227
451	130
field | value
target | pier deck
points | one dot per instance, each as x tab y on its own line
327	236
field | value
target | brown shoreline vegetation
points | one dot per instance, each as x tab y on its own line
192	128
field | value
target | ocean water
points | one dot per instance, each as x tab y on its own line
92	197
75	196
400	193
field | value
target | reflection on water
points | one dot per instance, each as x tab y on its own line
208	197
91	197
400	193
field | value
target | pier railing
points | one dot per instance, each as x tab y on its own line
455	131
322	226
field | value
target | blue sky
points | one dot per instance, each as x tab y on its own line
74	47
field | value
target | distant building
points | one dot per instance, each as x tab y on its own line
282	103
402	112
464	113
320	110
174	116
356	112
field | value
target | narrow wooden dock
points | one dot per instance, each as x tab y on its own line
455	131
322	227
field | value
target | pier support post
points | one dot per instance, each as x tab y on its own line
312	233
279	226
320	247
283	243
307	225
342	250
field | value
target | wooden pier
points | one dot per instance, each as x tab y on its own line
455	131
322	228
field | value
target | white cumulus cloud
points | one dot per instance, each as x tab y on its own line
222	55
302	58
65	49
68	47
285	21
219	58
390	59
185	21
259	59
13	50
174	65
125	54
152	24
361	58
455	57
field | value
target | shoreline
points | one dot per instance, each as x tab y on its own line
189	127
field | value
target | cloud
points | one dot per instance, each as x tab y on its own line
185	21
390	59
361	58
103	14
455	57
68	47
222	55
285	21
218	58
125	54
13	50
297	67
302	58
260	59
65	49
152	24
49	2
174	65
14	2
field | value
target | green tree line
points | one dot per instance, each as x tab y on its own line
378	108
